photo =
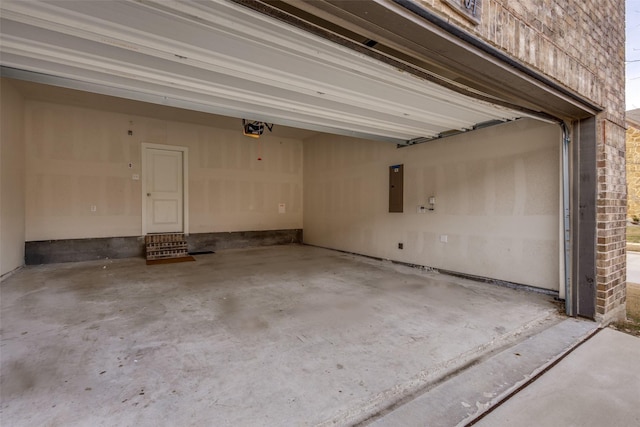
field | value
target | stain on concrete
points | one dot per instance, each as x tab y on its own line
17	379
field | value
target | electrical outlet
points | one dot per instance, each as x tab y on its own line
421	209
444	238
400	245
94	208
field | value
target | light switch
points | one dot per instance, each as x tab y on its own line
444	238
282	208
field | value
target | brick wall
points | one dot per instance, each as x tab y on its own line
580	45
611	220
633	168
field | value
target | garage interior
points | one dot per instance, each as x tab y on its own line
339	330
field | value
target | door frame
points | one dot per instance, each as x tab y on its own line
185	182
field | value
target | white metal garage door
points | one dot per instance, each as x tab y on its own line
223	58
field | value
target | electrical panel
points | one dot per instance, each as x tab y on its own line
396	188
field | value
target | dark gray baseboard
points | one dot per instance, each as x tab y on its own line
242	239
74	250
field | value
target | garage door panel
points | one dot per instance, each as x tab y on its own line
415	115
204	55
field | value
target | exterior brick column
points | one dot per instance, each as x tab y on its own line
611	219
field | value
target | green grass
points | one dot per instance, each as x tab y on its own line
633	233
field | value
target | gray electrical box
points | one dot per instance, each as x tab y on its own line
396	188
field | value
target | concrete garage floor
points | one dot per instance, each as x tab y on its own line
287	335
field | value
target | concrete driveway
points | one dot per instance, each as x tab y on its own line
633	285
633	267
596	385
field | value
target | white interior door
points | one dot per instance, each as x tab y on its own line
164	191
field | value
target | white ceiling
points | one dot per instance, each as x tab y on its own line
222	58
